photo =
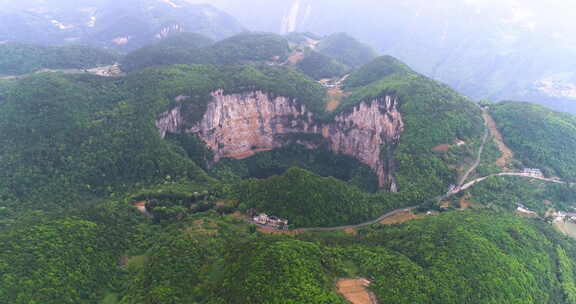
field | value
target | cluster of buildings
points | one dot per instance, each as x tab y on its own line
271	221
562	216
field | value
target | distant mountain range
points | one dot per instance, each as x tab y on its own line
503	51
121	25
485	49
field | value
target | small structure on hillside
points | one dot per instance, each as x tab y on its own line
106	71
329	83
533	172
271	221
522	210
141	206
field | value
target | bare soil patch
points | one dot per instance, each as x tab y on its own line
239	215
350	231
354	290
334	98
296	57
507	153
464	202
400	218
441	148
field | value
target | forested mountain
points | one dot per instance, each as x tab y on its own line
318	57
540	136
17	58
499	50
140	188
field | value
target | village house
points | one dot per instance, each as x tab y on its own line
271	221
522	210
141	206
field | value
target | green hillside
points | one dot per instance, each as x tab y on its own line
527	130
194	49
346	49
433	114
176	49
320	66
79	152
308	200
75	137
319	161
453	258
16	58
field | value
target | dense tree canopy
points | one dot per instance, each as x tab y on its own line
346	49
78	151
16	58
541	138
194	49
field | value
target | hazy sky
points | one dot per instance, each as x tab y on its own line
532	14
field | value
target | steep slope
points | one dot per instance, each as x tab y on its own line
239	125
319	66
468	255
239	49
432	115
500	50
74	138
390	122
316	57
104	195
346	49
312	201
452	258
177	49
368	125
527	129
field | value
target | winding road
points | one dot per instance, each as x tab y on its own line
472	183
460	187
387	215
476	163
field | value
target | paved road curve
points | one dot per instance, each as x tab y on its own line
461	187
387	215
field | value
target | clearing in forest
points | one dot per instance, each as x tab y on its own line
334	98
507	153
441	148
354	290
351	231
272	231
464	202
400	218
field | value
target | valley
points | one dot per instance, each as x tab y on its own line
180	159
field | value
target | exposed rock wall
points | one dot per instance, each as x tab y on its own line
239	125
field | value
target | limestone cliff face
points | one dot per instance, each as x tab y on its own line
170	121
370	133
239	125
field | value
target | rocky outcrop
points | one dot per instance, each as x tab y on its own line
170	121
239	125
370	133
